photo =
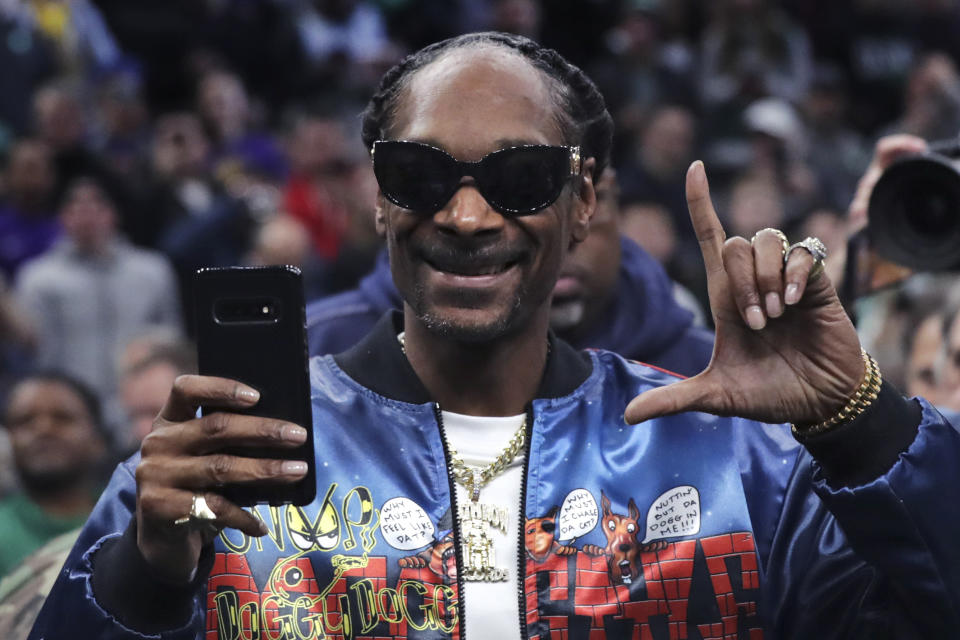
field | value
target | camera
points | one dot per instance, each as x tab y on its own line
914	210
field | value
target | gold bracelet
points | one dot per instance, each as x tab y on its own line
862	398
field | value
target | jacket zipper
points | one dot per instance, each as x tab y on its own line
455	520
521	542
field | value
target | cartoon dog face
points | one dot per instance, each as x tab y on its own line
622	544
538	535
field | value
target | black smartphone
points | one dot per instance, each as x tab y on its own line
251	327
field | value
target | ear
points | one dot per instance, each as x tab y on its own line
585	203
605	503
380	216
634	512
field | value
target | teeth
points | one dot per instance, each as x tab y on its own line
480	271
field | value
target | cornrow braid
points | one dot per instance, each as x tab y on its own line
583	116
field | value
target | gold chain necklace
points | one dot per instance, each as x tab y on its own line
475	478
478	557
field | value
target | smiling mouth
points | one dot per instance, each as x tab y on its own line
472	270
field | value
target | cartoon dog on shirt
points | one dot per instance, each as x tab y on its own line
623	547
540	538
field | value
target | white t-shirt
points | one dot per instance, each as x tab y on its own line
491	608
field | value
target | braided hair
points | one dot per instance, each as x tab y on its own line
583	116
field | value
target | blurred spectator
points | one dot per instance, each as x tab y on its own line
319	153
28	226
58	446
657	170
344	42
925	348
651	226
639	74
82	38
24	590
835	151
777	154
224	107
122	133
27	60
751	50
517	16
932	100
280	240
93	291
755	203
951	365
189	216
147	367
60	122
18	339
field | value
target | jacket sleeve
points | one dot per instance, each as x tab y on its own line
872	550
104	560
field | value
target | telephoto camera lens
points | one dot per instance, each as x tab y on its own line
914	213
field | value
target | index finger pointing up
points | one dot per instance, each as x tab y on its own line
706	224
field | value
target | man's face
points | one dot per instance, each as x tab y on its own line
466	271
30	174
88	217
951	368
143	395
589	273
921	374
52	434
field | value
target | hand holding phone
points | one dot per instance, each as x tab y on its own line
182	458
252	443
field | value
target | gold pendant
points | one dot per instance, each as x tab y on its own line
478	555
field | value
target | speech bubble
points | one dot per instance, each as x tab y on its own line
675	513
405	525
578	515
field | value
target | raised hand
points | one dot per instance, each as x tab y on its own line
785	350
182	458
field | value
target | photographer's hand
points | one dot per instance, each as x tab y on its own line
181	458
887	149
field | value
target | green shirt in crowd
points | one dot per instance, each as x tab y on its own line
24	527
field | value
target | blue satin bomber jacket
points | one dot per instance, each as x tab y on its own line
684	527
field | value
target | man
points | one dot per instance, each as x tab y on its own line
93	291
28	226
416	531
54	426
148	366
610	295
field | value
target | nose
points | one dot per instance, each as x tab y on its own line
468	213
625	547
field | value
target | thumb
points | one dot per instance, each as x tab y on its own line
686	395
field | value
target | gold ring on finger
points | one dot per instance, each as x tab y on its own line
784	243
200	513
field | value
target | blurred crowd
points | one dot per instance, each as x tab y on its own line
141	140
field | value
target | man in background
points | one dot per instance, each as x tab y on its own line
147	368
58	444
92	291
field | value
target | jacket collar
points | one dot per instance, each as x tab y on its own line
377	362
